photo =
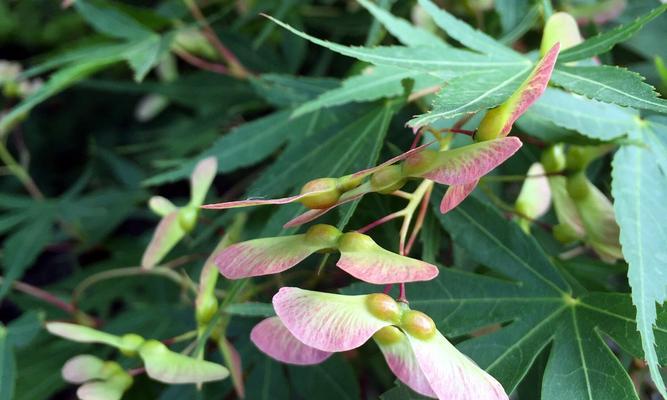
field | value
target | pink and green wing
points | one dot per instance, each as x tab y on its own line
263	256
602	231
201	180
455	194
373	264
451	374
402	362
83	368
273	338
531	89
566	211
161	206
346	197
167	366
167	234
82	334
325	321
469	163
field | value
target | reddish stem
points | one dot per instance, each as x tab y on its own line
380	221
387	288
402	297
201	63
418	136
43	295
462	131
419	222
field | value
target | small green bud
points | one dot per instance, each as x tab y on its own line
578	186
491	125
349	182
383	307
206	309
187	218
553	159
577	158
328	197
418	324
388	179
564	233
130	344
323	235
388	335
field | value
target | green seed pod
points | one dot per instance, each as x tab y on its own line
492	124
577	158
355	241
388	179
383	307
565	233
187	218
388	335
130	344
553	159
323	235
420	163
349	182
560	27
418	324
206	309
578	186
329	193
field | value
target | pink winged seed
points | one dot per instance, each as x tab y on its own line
455	194
383	267
273	338
402	362
328	322
469	163
316	213
255	202
533	88
451	374
255	258
392	161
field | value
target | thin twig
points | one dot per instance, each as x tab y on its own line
201	63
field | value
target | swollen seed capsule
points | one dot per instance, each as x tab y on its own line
383	307
388	335
187	218
418	324
492	124
420	163
206	309
329	193
553	159
577	158
388	179
130	343
564	233
323	235
355	241
577	186
349	182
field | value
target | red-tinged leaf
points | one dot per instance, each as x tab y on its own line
451	374
455	194
263	256
273	338
167	234
469	163
325	321
364	259
201	180
402	362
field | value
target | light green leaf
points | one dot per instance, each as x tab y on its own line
7	366
589	117
605	41
466	34
21	249
611	85
372	84
639	188
408	34
110	20
145	54
166	366
444	62
473	92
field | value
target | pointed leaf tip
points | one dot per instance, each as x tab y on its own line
325	321
274	339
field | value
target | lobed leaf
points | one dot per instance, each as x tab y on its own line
325	321
273	338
